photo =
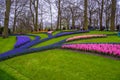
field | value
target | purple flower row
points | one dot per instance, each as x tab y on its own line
68	33
21	40
111	49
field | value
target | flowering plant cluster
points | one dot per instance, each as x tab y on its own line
50	32
68	33
86	37
31	43
25	49
111	49
21	40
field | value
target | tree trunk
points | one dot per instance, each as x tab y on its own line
14	23
85	15
101	15
51	15
73	22
113	11
58	18
36	17
90	19
68	24
6	20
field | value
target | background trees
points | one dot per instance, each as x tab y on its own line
35	15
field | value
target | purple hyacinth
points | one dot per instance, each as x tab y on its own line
21	40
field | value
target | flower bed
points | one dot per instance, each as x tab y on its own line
111	49
50	32
68	33
21	40
85	37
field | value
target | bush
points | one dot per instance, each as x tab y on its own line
2	28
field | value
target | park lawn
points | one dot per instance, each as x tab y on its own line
98	40
58	64
32	37
55	32
7	44
42	35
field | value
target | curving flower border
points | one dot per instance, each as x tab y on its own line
86	37
25	49
104	48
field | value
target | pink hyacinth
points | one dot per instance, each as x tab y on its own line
85	37
49	32
111	49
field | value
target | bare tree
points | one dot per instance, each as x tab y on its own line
34	11
113	13
50	7
18	8
58	4
85	15
6	20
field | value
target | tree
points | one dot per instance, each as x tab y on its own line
113	13
50	7
85	15
107	12
59	15
34	11
6	20
18	8
101	15
92	10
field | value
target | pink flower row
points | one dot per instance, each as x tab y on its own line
112	49
85	37
50	32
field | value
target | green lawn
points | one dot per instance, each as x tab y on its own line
59	64
7	44
42	35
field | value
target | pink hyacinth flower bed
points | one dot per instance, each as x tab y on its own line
86	37
50	32
111	49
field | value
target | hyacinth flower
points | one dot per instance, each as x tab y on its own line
111	49
85	37
68	33
21	40
50	32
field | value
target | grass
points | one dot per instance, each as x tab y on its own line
42	35
55	32
108	39
58	64
7	44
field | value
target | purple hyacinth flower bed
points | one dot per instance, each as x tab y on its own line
68	33
110	49
21	40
